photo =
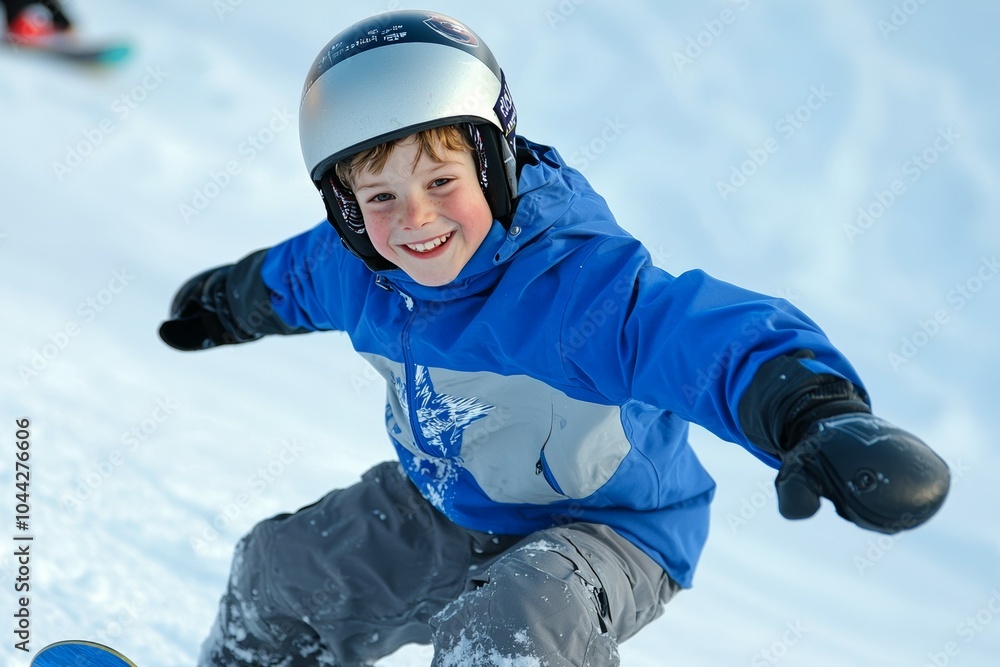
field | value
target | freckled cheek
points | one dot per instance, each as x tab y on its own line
482	228
377	228
475	215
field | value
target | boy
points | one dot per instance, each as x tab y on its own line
540	372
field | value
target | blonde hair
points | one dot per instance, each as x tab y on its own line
431	141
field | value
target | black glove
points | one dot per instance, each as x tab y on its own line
200	316
877	475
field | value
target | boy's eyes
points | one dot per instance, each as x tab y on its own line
385	196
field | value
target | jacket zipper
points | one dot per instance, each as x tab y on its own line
410	375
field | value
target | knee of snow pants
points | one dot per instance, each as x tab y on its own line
565	597
342	582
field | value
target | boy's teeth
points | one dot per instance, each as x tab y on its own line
430	245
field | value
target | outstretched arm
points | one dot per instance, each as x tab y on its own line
754	370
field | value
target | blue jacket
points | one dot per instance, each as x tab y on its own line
553	381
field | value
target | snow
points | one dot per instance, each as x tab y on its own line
857	150
466	652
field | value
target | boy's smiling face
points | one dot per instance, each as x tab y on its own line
426	217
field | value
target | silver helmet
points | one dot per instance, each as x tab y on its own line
389	76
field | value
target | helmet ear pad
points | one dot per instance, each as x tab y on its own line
500	179
344	213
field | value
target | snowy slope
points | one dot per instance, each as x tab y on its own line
734	136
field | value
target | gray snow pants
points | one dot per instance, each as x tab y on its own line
372	567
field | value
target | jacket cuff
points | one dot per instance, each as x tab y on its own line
785	398
250	300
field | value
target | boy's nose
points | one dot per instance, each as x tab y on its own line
419	211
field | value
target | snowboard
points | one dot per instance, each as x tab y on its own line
79	654
82	51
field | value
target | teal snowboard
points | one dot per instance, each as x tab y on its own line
92	52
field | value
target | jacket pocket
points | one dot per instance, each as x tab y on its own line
542	468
